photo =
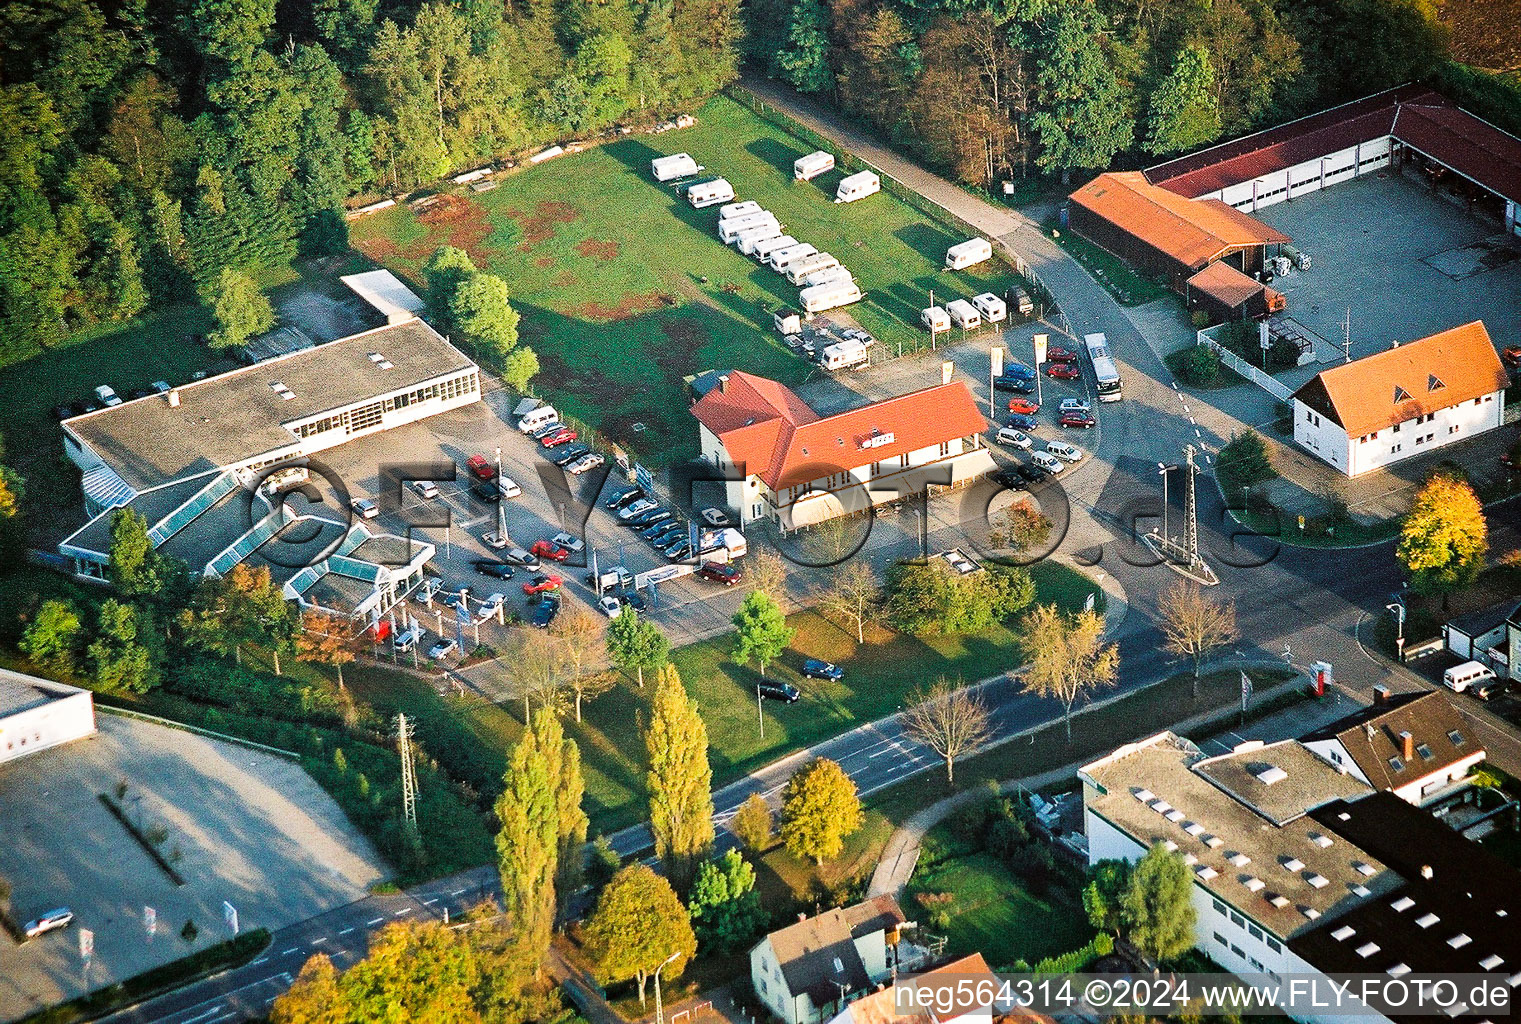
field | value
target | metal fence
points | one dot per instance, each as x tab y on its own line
1265	381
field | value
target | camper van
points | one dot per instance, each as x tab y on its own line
935	319
828	296
806	168
543	416
844	355
710	193
1471	673
669	168
763	250
729	230
857	186
746	241
829	275
781	259
743	209
1022	303
993	309
802	268
963	314
968	254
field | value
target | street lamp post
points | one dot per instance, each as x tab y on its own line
660	1007
1399	621
1163	469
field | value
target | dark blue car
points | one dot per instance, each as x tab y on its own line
813	668
1023	421
1018	385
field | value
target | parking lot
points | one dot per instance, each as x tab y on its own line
240	825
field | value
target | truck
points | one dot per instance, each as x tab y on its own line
743	209
963	314
806	168
968	254
678	165
723	545
763	250
710	193
615	578
828	296
729	230
812	264
844	355
781	259
857	186
829	275
993	309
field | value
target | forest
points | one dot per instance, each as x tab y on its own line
147	148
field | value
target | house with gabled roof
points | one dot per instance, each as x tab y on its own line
1402	402
812	969
789	465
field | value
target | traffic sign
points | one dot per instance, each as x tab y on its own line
230	915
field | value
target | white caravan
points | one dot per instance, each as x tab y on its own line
828	296
763	250
729	230
963	314
829	275
710	193
806	168
743	209
857	186
800	270
669	168
968	254
781	259
844	355
993	309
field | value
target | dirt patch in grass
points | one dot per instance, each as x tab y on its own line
378	248
539	225
544	262
565	279
629	305
597	250
463	223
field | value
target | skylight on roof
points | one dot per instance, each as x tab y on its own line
1426	920
1277	899
1318	881
1320	839
1160	806
1239	860
1396	764
1424	751
1362	891
1367	949
1459	940
1206	872
1492	961
1272	774
1190	859
1310	913
1146	796
839	966
1344	933
1398	969
1174	815
1169	846
1293	864
1193	828
1213	842
1402	904
1366	870
1255	884
1456	738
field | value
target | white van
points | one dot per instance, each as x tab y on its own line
743	209
763	250
935	319
800	269
1064	451
1050	463
543	416
993	309
746	241
781	259
857	186
1471	673
677	165
963	314
1014	438
829	275
806	168
968	254
710	193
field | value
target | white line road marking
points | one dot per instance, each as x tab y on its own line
316	942
456	892
403	910
202	1016
369	924
345	931
288	952
261	960
429	903
1192	422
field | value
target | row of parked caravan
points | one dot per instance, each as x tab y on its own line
823	283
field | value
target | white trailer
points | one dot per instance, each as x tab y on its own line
669	168
710	193
806	168
993	309
763	250
963	314
857	186
781	259
743	209
811	265
828	296
729	230
844	355
829	275
935	319
746	241
724	545
968	254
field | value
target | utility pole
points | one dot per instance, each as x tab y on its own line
1191	512
659	1006
408	774
501	505
932	321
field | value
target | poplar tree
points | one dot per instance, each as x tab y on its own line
563	759
680	779
528	844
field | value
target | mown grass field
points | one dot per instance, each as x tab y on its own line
624	289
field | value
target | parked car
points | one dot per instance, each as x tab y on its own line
510	489
107	395
522	559
562	436
545	611
636	507
633	599
1018	385
364	508
650	517
445	647
623	499
1011	479
542	583
1023	405
406	640
677	549
585	464
1022	422
1057	354
50	921
550	550
1511	354
1030	474
1064	451
714	517
425	489
487	490
1491	689
1063	371
1081	420
565	456
610	606
1014	438
480	467
1074	405
1046	461
813	668
137	393
428	587
489	607
649	533
720	572
496	570
771	689
567	542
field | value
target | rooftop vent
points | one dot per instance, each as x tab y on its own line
1398	970
1318	881
1190	859
839	966
1255	884
1492	961
1160	806
1514	979
1146	796
1320	839
1214	842
1402	904
1459	940
1343	933
1271	774
1293	864
381	361
1239	860
1426	920
279	388
1366	870
1367	949
1277	899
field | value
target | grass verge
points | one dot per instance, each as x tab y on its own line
1127	287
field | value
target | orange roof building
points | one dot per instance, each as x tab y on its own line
1161	233
1225	293
1404	401
798	468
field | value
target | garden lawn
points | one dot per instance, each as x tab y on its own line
625	289
993	914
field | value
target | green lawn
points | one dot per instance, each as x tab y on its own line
1127	286
625	289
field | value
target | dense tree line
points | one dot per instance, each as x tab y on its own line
145	149
995	90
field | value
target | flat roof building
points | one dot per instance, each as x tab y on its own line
36	714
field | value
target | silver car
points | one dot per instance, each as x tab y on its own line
53	919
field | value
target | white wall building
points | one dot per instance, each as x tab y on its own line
809	971
36	714
1402	402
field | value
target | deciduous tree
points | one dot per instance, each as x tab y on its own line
326	640
1157	909
1184	110
241	310
1021	526
819	809
637	925
1444	537
52	638
949	720
761	632
563	760
119	661
752	824
636	644
579	635
855	596
1104	895
1084	117
1194	625
930	598
1068	658
134	567
680	779
725	907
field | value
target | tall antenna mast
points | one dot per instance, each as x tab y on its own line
408	773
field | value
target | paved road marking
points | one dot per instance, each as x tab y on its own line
262	959
345	931
288	952
456	892
319	941
202	1016
429	903
377	920
403	910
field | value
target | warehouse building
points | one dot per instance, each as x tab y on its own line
36	714
1406	400
797	468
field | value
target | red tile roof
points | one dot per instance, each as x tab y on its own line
1414	114
1225	284
1192	231
773	434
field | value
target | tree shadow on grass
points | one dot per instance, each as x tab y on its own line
927	240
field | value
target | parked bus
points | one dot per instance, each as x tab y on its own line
1105	375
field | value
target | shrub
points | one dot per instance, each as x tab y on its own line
1200	365
1005	836
1034	864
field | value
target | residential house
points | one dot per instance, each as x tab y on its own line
808	972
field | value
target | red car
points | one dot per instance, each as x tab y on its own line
1061	355
1023	406
562	436
1077	419
550	550
542	584
1511	354
480	468
1063	371
720	572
